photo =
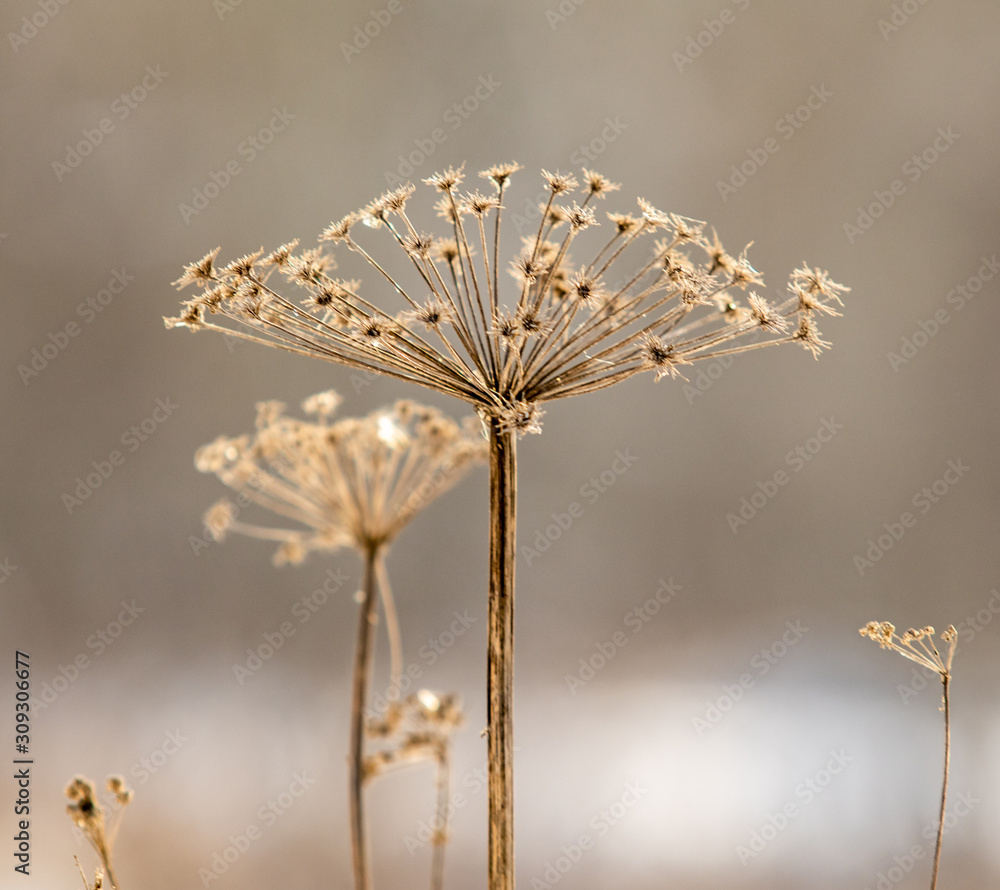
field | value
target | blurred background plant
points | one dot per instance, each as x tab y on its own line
353	482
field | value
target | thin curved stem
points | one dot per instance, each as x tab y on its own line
362	668
441	835
391	625
945	679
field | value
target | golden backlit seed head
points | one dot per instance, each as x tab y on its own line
498	174
561	330
559	182
202	272
599	185
339	231
448	179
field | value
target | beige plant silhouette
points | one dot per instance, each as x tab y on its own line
567	328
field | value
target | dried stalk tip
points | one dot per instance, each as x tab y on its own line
915	644
98	827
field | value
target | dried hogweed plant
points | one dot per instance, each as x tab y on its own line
568	327
918	646
353	482
90	817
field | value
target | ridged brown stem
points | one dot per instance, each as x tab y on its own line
500	655
944	784
362	666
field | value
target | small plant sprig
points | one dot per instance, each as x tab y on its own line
417	729
353	482
918	646
90	818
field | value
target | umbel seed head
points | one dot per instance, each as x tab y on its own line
563	327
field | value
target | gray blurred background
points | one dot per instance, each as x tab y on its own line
666	99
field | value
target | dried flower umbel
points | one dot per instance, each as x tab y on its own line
918	645
417	729
354	482
568	328
89	816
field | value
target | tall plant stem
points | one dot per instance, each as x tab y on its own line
362	668
945	678
500	654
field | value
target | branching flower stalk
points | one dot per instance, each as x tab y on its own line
918	646
655	295
355	483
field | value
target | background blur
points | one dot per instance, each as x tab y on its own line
671	100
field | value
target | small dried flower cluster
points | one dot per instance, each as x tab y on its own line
566	330
353	482
413	730
917	645
89	816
